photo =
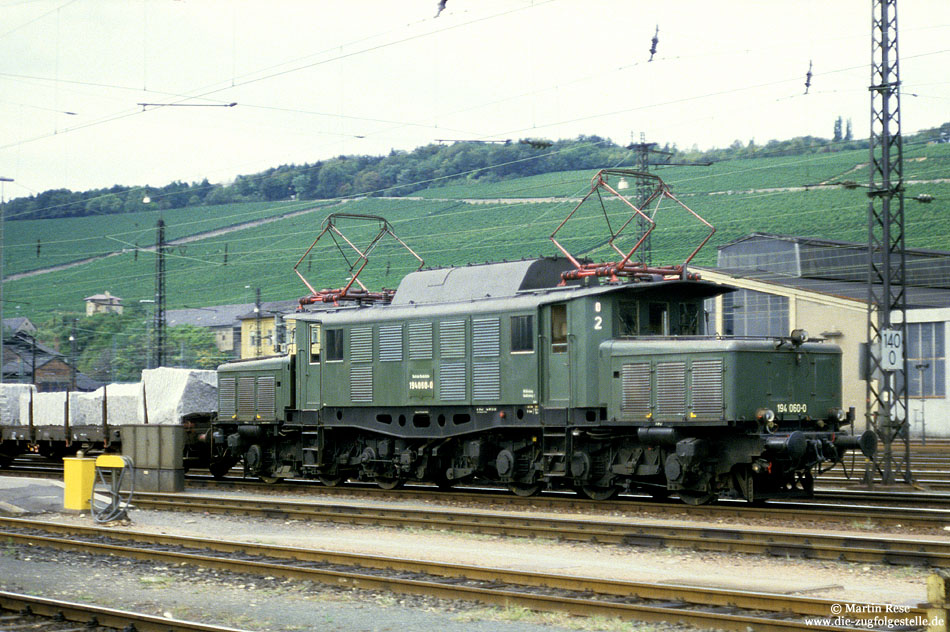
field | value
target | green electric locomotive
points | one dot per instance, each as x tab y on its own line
507	374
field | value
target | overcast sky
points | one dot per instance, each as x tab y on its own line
318	78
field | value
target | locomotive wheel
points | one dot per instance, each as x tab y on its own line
389	483
599	493
524	489
696	498
271	480
329	481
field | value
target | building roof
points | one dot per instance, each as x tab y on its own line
917	297
809	257
18	324
213	316
103	298
19	362
269	308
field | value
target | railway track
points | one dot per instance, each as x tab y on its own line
624	531
585	596
851	508
862	508
28	612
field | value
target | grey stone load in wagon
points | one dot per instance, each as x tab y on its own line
10	396
172	393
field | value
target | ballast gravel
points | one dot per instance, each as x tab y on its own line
274	604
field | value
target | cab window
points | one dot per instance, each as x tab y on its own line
688	324
559	328
522	333
628	322
658	319
315	344
334	347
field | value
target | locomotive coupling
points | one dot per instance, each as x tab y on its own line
795	444
866	442
792	445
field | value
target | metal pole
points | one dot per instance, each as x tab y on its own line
160	295
887	302
3	214
257	314
921	366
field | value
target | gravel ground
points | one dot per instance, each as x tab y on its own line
273	604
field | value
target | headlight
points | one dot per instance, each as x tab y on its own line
838	414
765	414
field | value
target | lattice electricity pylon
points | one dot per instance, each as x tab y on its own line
160	316
644	189
887	301
627	266
356	265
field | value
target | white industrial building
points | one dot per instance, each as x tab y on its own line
819	285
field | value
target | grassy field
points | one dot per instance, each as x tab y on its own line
68	239
737	197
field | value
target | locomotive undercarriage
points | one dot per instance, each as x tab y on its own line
698	464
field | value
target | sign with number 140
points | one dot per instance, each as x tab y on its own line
892	349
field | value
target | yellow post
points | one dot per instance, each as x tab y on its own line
79	477
938	596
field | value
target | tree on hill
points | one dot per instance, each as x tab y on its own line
400	172
116	347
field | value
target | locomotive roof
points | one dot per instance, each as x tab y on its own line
473	282
528	286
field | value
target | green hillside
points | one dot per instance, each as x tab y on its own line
777	195
42	243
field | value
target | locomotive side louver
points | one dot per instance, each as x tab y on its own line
245	397
452	381
361	383
486	380
420	341
486	333
670	389
707	389
452	339
361	375
390	343
226	388
361	344
266	396
635	384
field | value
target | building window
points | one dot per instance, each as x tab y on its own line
926	360
750	313
334	349
522	333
